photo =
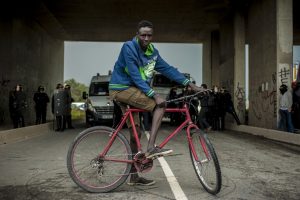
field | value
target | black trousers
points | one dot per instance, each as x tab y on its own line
40	116
18	120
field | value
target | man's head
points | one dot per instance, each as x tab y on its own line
67	86
283	88
41	88
59	86
18	87
203	85
144	33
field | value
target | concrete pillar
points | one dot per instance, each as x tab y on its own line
232	60
211	54
226	64
284	16
206	61
270	58
239	65
215	58
31	57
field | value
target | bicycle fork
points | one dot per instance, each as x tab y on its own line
191	130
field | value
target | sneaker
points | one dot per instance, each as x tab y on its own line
141	181
157	151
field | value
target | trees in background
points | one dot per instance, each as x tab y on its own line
76	89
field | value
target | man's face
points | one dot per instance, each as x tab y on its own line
145	37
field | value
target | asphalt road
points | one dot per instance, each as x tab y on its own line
252	168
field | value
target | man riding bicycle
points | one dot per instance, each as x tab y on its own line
129	84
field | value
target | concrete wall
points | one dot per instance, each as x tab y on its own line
270	49
262	64
29	56
211	54
215	58
206	62
231	72
239	65
226	64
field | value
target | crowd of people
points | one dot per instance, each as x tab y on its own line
214	107
60	106
210	117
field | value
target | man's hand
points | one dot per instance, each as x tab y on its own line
161	102
195	88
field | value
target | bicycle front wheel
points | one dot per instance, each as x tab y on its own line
205	162
93	173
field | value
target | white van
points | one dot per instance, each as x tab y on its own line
99	107
162	85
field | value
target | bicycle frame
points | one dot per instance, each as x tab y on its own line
129	114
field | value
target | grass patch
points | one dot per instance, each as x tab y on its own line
77	114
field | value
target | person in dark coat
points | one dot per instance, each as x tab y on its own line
41	100
204	111
296	106
17	106
69	100
229	107
59	106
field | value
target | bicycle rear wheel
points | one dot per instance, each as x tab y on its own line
88	170
205	162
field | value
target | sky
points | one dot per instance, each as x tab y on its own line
85	59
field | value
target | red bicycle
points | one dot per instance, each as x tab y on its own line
100	158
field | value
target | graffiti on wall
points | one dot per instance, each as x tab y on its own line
240	97
284	74
265	99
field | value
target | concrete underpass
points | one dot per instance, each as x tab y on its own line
257	161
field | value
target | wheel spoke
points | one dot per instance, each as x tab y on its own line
93	173
207	167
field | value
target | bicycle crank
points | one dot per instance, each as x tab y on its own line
141	163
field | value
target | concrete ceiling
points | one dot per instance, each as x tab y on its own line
116	20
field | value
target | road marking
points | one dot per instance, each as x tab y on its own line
175	187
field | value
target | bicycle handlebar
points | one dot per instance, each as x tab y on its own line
188	96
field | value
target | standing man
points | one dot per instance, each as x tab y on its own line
59	104
204	111
130	84
17	106
41	100
69	101
229	107
285	108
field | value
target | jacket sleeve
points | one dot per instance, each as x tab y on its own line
170	72
132	64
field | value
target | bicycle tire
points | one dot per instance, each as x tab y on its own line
90	172
208	169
